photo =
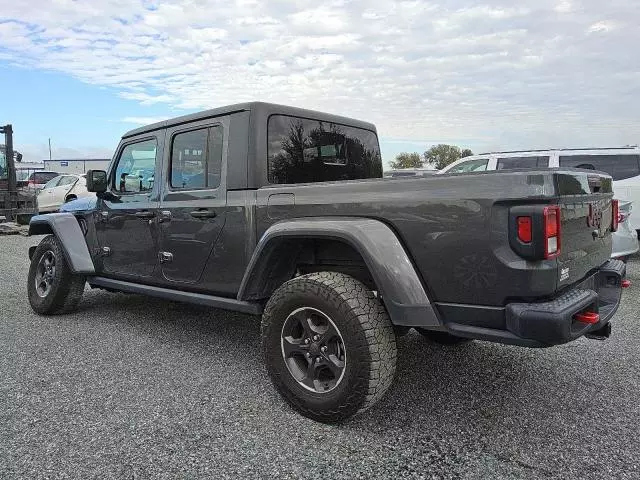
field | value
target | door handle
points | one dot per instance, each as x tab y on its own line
203	213
144	214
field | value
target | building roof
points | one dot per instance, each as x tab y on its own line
258	107
78	160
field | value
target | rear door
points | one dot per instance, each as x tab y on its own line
193	202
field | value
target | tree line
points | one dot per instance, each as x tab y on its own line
438	157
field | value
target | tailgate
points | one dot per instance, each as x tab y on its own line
586	219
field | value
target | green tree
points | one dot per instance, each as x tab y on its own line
439	156
407	160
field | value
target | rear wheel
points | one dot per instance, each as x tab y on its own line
51	285
328	345
442	338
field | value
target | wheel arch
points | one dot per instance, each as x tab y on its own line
276	256
67	230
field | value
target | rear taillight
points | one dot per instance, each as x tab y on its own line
524	229
551	229
615	212
31	182
534	231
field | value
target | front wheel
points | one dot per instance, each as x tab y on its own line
51	285
328	345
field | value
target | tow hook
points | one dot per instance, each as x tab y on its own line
602	333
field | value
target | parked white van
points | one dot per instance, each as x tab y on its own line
623	164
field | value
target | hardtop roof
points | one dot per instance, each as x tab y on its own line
258	107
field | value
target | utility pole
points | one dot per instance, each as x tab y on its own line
49	148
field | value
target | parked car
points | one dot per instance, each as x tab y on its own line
292	221
625	239
623	164
28	179
61	189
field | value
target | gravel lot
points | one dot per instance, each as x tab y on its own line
130	387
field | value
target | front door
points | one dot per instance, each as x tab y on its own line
193	203
126	225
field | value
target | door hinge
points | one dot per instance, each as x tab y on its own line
165	257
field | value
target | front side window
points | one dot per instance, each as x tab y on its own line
302	150
67	180
478	165
53	182
510	163
135	170
196	159
619	167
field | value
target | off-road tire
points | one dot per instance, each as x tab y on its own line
443	338
366	330
66	287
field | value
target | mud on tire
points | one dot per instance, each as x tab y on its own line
51	285
363	327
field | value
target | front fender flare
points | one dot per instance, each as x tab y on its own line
395	276
65	227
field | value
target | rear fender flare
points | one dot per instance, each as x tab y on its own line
65	227
389	264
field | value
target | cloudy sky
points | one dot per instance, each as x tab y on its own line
493	74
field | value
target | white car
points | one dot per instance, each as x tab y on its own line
61	189
623	164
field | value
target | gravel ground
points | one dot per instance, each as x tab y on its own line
130	387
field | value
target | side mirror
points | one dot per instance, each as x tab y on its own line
97	181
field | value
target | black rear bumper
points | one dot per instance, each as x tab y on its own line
545	323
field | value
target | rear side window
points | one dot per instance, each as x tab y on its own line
510	163
196	159
619	167
478	165
301	150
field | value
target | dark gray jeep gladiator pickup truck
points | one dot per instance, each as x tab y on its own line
283	212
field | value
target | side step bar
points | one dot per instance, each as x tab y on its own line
177	295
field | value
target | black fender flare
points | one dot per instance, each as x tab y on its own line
65	227
395	276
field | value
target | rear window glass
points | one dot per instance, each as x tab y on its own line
43	177
618	166
508	163
302	150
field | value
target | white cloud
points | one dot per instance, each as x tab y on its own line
537	74
142	120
